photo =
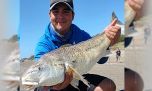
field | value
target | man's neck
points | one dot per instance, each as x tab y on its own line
61	34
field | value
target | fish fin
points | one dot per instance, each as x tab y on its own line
77	76
115	17
75	83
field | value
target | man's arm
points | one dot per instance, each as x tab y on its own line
42	47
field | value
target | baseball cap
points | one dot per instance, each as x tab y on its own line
69	3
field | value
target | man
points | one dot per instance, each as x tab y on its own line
61	31
118	54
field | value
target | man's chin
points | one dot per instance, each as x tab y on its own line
60	28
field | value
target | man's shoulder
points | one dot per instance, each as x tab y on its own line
44	41
79	32
43	38
43	46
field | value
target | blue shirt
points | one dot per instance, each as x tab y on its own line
52	40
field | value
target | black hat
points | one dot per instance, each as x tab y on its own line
69	3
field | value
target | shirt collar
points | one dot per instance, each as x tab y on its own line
58	37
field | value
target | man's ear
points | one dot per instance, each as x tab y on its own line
73	15
50	13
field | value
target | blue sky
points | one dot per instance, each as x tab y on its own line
90	15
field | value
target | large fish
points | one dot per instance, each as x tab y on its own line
78	59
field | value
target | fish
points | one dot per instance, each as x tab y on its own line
114	16
78	59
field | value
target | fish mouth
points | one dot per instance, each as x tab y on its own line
30	83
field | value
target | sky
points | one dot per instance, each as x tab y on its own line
30	18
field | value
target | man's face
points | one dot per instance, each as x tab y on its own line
61	17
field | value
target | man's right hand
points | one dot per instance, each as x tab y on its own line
67	80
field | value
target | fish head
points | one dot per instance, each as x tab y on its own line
44	74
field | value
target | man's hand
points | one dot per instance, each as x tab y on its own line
113	32
68	78
136	5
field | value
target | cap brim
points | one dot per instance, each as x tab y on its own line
61	2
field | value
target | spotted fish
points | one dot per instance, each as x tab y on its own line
78	59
